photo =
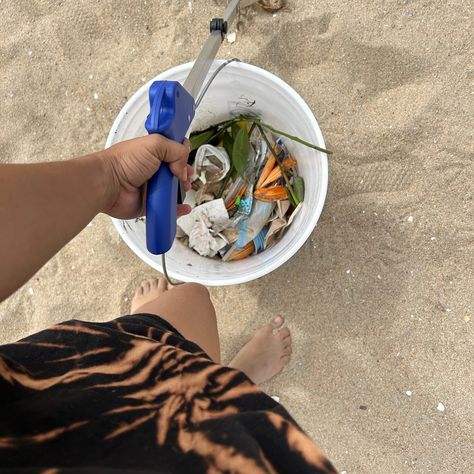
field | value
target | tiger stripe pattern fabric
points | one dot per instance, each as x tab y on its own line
133	395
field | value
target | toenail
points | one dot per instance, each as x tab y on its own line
278	320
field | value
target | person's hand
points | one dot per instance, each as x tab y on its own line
130	164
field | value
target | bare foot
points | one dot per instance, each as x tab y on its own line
148	291
265	355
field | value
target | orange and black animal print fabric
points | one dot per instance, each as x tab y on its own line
133	395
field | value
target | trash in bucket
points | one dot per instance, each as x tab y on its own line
246	189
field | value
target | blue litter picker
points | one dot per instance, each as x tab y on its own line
172	109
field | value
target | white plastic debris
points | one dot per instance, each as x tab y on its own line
211	164
231	37
276	398
96	96
190	198
409	393
202	226
30	291
279	222
440	407
410	219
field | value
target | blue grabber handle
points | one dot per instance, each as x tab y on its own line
171	113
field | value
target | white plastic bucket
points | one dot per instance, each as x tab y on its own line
238	88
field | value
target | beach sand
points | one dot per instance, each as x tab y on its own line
379	299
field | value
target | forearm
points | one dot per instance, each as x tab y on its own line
42	207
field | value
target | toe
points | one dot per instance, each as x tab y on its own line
287	350
276	322
283	334
285	359
146	287
154	283
138	292
162	284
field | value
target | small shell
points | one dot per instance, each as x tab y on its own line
277	193
272	5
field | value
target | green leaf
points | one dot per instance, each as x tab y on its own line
290	197
298	188
228	144
240	151
201	138
235	130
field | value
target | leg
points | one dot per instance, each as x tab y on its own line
187	307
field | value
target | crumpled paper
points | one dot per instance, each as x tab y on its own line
279	221
202	226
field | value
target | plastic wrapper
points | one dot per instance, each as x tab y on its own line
211	164
250	227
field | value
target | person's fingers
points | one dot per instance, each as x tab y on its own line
187	182
183	209
174	153
190	171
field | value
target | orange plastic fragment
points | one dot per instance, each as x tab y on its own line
277	193
239	254
289	162
272	177
266	171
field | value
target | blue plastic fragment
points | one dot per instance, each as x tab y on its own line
245	205
259	241
251	226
